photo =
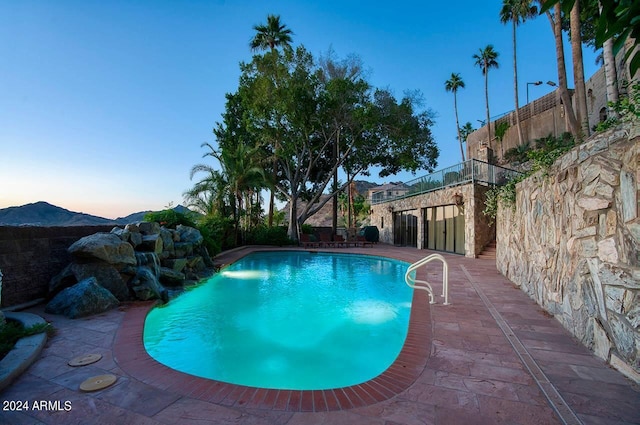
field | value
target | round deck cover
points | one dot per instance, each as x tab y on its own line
98	382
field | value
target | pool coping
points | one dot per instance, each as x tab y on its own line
132	358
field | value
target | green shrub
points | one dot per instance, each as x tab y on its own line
264	235
606	124
518	154
549	149
307	229
12	331
218	233
170	218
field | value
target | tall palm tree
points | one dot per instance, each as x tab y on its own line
269	36
578	68
556	26
452	85
486	59
517	11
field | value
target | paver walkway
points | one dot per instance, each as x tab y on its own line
492	357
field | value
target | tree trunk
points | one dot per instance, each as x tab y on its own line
292	230
515	88
271	207
556	27
334	210
610	76
486	98
578	69
455	107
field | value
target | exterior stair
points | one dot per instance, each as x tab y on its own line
489	251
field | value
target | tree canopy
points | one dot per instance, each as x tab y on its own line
307	124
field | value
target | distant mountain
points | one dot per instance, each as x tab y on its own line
139	216
45	214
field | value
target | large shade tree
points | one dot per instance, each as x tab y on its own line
486	59
516	12
285	95
452	85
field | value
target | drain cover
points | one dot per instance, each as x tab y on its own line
98	383
84	360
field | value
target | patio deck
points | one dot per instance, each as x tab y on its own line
492	356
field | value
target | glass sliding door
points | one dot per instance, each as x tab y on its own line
443	229
405	228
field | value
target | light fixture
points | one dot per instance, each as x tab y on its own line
458	199
537	83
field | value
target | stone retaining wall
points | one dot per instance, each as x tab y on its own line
572	243
31	256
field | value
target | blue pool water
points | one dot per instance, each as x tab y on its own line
287	320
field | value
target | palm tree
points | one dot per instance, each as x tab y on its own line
517	11
273	34
556	26
452	85
241	176
466	130
578	68
485	60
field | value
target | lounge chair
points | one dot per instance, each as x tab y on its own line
306	242
325	239
339	240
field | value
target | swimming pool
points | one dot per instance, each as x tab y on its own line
287	320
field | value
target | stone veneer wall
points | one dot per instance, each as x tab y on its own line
478	232
572	243
31	256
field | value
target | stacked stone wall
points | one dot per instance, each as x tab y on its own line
31	256
572	243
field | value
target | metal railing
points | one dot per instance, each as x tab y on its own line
472	170
410	277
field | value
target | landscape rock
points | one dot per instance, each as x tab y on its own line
151	243
85	298
105	247
171	277
189	235
62	280
145	285
106	276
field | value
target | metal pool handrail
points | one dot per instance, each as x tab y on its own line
423	284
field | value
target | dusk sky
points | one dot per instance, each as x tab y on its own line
104	104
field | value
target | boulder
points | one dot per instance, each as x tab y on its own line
106	247
145	285
167	243
176	264
196	263
189	235
151	243
85	298
149	227
106	276
62	280
171	277
204	253
183	249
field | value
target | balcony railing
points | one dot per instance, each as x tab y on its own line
469	171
